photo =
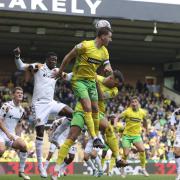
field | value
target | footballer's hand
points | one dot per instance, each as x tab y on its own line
55	73
64	76
11	137
60	73
17	52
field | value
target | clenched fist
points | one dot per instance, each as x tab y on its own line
17	52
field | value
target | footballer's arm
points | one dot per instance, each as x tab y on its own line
5	130
20	65
67	59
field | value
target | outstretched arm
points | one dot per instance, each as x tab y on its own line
20	65
67	59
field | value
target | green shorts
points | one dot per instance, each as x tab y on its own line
106	148
128	140
85	89
78	119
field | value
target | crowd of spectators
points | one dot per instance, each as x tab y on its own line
158	140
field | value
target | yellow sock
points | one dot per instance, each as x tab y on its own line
112	164
112	141
142	157
95	117
63	152
102	161
89	123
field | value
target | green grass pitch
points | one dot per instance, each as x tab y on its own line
84	177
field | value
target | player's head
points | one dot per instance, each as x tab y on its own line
134	102
51	60
111	118
116	79
17	94
105	35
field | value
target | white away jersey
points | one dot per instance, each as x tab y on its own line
11	114
176	119
44	84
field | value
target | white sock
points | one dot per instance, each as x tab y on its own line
178	164
95	138
90	164
22	156
56	168
62	168
98	163
118	158
46	164
39	144
60	129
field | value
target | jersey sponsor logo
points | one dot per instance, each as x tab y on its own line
135	119
94	61
5	108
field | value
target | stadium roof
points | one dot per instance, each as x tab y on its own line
133	41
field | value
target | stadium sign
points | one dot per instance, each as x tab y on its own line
147	10
60	6
81	168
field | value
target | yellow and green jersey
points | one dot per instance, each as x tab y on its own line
133	121
88	60
108	93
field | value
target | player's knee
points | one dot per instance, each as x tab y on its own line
23	148
74	133
87	107
177	151
141	149
72	136
86	157
66	111
40	131
93	154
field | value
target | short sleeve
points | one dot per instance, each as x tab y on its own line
4	110
81	47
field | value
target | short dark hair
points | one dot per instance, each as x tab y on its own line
103	31
118	75
17	88
50	54
134	98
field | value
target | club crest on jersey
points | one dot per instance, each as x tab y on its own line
94	61
5	108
